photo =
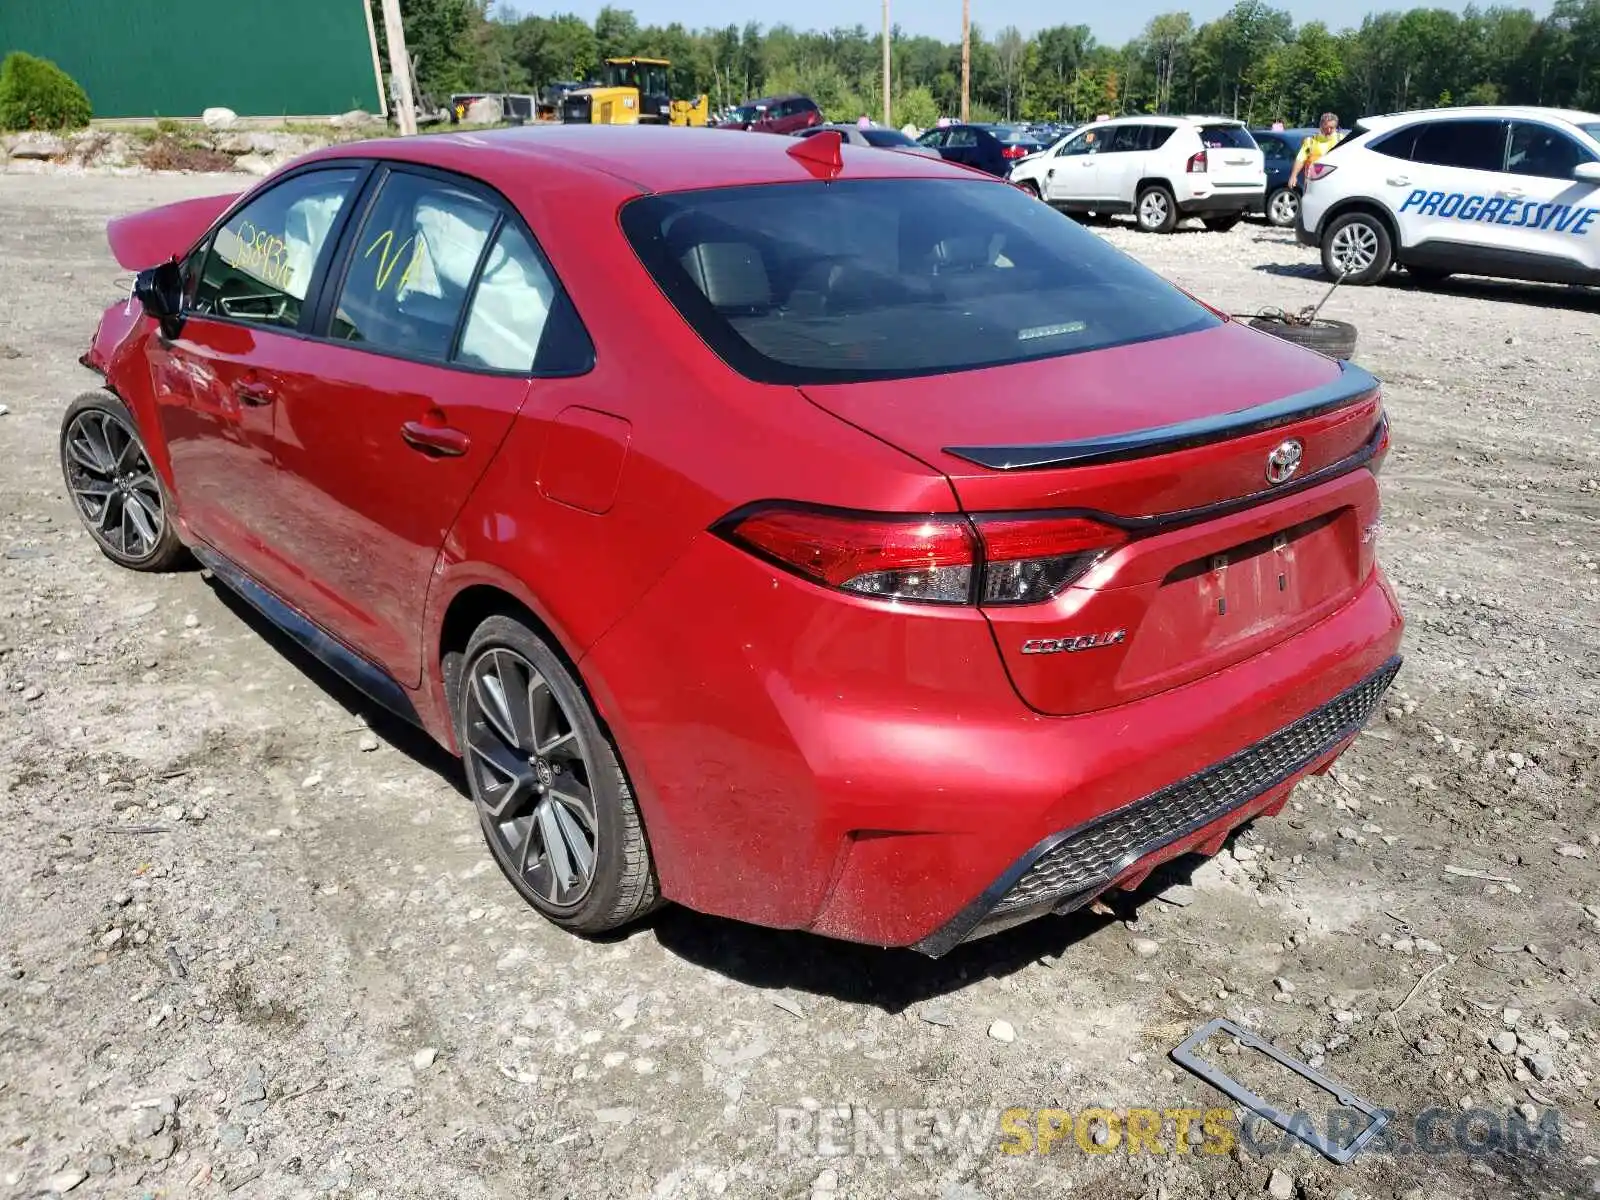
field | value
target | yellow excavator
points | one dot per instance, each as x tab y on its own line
634	91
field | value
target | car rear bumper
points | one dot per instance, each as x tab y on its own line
1242	200
1069	869
806	760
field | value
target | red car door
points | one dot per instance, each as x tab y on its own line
385	423
215	384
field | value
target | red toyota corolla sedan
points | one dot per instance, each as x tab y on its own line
820	537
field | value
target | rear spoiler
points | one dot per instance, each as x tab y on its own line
1353	384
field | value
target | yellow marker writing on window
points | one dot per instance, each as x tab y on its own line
388	261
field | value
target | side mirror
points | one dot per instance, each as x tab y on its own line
1588	172
159	291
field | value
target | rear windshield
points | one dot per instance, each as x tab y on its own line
876	279
1226	137
886	137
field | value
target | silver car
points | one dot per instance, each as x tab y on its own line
875	136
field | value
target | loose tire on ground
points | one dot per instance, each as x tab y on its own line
1156	211
534	751
115	489
1357	246
1337	339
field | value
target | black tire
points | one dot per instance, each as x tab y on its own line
1282	207
1336	339
622	886
1362	229
1221	224
1160	214
1029	186
120	497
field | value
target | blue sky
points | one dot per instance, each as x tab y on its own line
1114	23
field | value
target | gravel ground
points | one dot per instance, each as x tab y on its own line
252	944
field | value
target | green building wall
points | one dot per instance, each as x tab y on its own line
174	58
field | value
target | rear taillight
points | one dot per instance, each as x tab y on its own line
1029	559
1197	163
939	559
926	559
1013	152
1319	170
1381	451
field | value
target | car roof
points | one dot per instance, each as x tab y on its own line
1289	132
1163	119
1569	116
647	158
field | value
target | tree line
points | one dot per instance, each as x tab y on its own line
1253	62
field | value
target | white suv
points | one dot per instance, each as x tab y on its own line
1160	169
1510	192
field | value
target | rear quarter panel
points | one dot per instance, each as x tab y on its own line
693	439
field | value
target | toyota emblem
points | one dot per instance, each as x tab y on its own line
1284	461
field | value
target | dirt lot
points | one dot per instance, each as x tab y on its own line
250	949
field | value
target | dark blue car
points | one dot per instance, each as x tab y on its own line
1278	148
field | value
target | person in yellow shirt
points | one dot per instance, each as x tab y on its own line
1315	146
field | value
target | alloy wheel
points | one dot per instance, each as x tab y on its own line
1285	207
1152	209
113	484
531	780
1354	247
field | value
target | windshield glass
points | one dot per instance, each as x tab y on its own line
1592	129
874	279
745	113
1226	137
886	137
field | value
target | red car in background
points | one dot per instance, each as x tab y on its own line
819	537
775	114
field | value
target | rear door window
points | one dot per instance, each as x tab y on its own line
871	279
510	307
260	264
1469	145
412	265
1125	138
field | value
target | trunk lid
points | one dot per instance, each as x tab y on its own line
1233	160
1168	441
149	238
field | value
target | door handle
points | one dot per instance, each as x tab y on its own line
437	440
1399	181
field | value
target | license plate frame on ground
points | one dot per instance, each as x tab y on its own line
1184	1055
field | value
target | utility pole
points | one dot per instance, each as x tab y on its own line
966	56
400	67
887	121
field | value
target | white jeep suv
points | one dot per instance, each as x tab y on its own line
1160	169
1509	192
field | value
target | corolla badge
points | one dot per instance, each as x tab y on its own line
1284	461
1071	645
